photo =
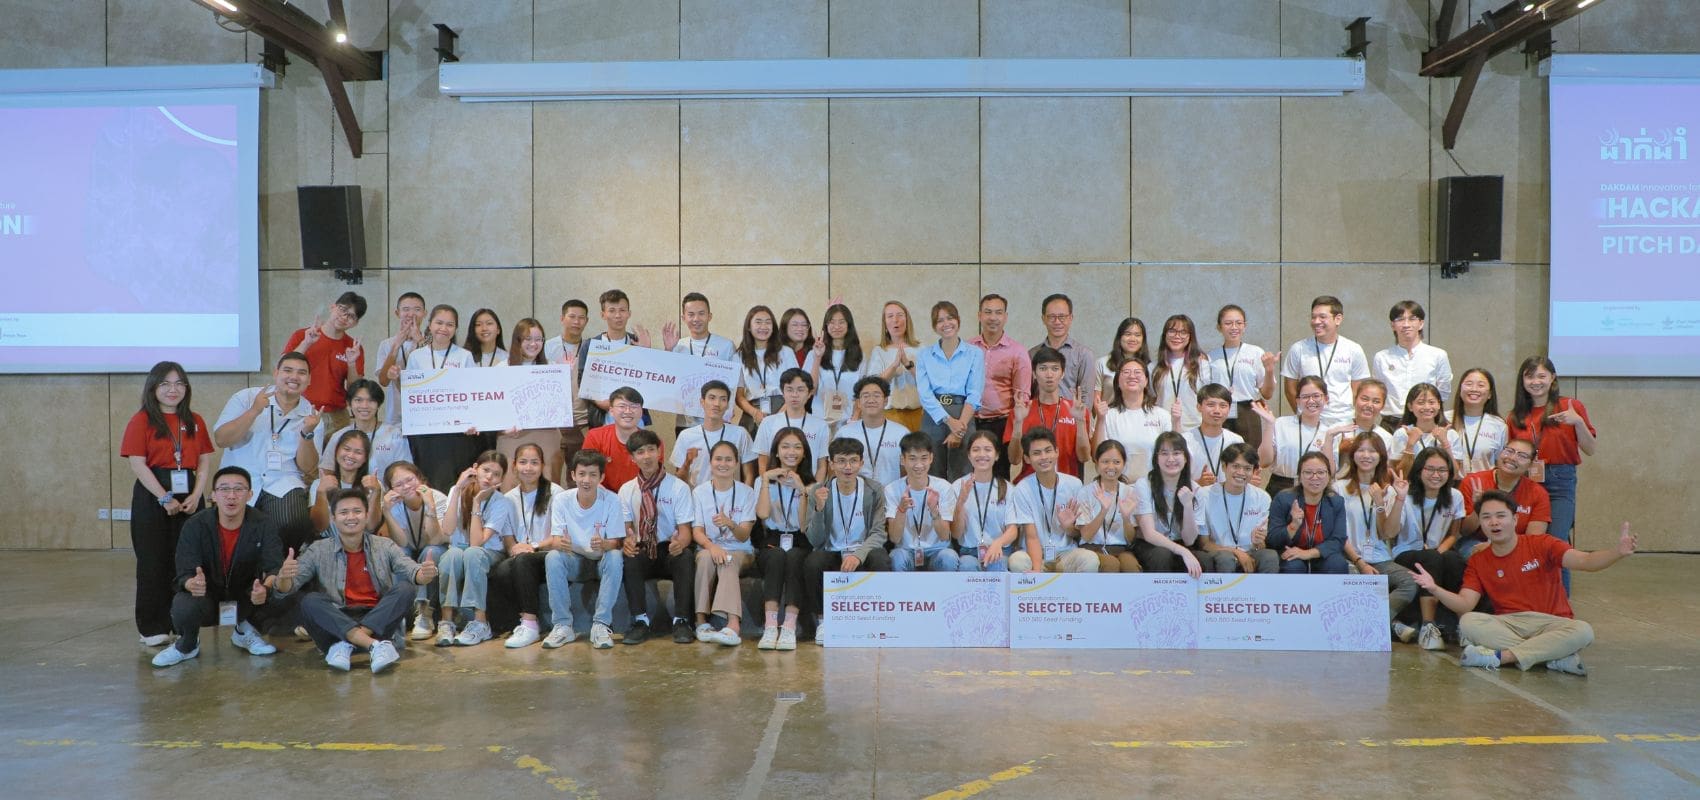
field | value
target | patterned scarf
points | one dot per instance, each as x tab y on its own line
647	514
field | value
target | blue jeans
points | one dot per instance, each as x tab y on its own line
562	568
968	560
427	593
942	559
1561	489
464	576
1324	565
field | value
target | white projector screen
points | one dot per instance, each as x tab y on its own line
1625	292
128	220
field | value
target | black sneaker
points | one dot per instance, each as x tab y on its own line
682	633
638	632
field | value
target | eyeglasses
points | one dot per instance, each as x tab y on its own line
229	489
1437	470
846	461
1312	396
1058	317
174	384
625	407
1311	473
1515	455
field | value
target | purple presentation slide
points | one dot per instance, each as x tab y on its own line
120	233
1625	227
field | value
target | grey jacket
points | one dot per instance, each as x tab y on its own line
326	560
823	523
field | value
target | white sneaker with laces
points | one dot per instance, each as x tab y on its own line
171	656
600	637
726	636
787	639
422	627
769	638
1571	664
1429	638
820	634
476	631
384	656
1477	656
339	655
1403	632
445	633
559	636
245	637
523	636
156	640
705	632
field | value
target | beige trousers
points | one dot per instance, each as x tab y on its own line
1535	638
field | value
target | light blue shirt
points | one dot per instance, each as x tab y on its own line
963	373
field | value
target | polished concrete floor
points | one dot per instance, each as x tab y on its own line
82	714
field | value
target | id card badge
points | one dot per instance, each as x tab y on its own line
227	613
1050	553
275	460
835	404
1538	471
920	560
785	542
179	481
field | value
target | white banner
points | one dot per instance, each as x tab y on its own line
670	382
1087	610
487	398
1293	612
916	609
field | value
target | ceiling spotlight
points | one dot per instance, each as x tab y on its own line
1528	7
341	37
223	4
1585	3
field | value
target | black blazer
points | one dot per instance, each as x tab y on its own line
1332	511
258	553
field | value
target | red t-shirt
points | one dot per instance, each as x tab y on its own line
329	372
140	439
1059	417
357	588
1555	443
1526	579
1533	504
226	546
621	467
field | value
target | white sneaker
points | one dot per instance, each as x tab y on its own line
1571	664
705	632
339	655
1477	656
600	637
422	627
726	636
156	640
1430	639
559	636
787	639
301	634
820	634
1403	632
523	636
171	656
475	632
769	638
445	633
245	637
383	656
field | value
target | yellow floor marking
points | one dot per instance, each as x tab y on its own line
550	775
1049	673
1483	741
1657	737
1439	741
975	787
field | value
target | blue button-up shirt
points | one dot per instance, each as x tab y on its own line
962	373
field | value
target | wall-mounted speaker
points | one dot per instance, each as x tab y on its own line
333	233
1467	220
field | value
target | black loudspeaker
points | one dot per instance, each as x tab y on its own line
333	235
1467	222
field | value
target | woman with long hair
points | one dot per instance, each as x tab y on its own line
781	492
484	339
894	361
1131	415
759	391
521	575
838	365
1111	518
1475	415
351	461
983	541
1561	432
1307	523
1179	369
527	348
442	456
1167	525
1127	345
1373	495
1423	425
1433	514
365	409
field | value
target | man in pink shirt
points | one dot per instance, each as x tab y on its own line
1009	373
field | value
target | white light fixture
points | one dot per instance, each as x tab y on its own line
223	4
341	37
1585	3
879	78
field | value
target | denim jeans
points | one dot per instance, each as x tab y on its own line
1561	490
968	560
427	593
464	576
942	559
562	568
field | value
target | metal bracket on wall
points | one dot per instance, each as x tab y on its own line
1359	43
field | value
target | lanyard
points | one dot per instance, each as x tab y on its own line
1215	464
1235	521
1306	442
271	420
1115	506
983	505
873	449
855	505
800	423
432	355
1428	519
1228	363
407	517
838	370
1050	509
920	518
1172	518
1470	441
691	346
785	508
1368	509
532	518
1322	369
1313	529
724	509
177	443
1175	376
1056	416
484	507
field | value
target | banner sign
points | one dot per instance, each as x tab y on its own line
670	382
1291	612
916	609
1088	610
487	398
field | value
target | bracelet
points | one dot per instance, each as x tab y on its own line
166	500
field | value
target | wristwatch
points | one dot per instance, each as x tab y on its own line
307	435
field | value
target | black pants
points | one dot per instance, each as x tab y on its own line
190	613
681	569
153	535
444	456
1156	559
782	570
816	563
329	623
1447	568
996	425
291	514
520	577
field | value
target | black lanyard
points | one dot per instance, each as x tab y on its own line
984	506
784	508
407	517
1228	363
920	517
726	509
1322	369
1172	519
1305	442
1368	512
432	355
855	505
691	346
838	370
1204	444
800	423
1051	509
873	449
1470	441
1235	521
1428	519
1110	513
177	443
271	420
1175	377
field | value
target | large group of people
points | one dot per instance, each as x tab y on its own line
964	454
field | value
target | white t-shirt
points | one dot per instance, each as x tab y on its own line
704	442
499	358
392	390
268	451
1033	504
739	503
1293	438
1446	439
1424	527
782	508
499	516
533	522
984	514
1363	522
1228	519
761	385
833	393
1207	452
313	489
388	447
1337	364
1147	506
1241	370
813	427
1114	529
673	506
915	529
882	458
905	391
1401	369
1484	437
1380	433
577	524
1176	382
435	360
716	347
1137	430
413	522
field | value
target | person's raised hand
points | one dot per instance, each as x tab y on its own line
290	567
257	594
196	585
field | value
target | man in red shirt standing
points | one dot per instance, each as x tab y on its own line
1049	409
625	408
1532	623
333	359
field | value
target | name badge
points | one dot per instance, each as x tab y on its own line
179	481
1050	552
1538	471
275	460
785	542
227	613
